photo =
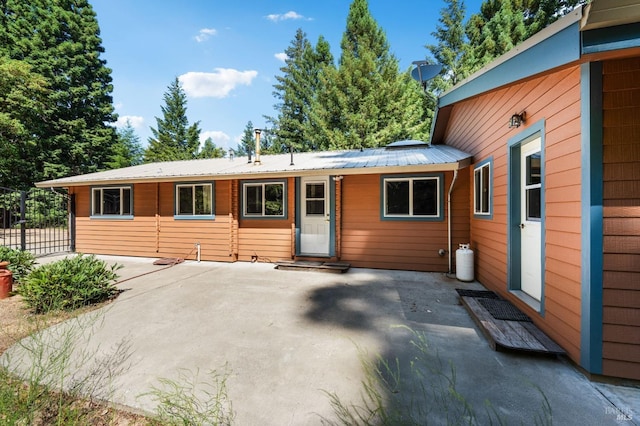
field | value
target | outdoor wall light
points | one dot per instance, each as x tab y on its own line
516	120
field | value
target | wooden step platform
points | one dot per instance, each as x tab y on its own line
304	265
509	331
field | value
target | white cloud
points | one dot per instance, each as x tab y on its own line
218	137
281	56
284	17
216	84
205	33
136	121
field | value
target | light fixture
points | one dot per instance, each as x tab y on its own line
517	120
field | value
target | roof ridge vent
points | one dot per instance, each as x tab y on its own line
407	144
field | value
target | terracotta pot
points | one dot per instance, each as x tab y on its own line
4	264
6	283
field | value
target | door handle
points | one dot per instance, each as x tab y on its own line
522	226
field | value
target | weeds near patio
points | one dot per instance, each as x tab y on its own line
192	401
424	393
48	378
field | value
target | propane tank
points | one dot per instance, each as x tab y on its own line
464	263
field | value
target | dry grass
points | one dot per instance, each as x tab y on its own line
17	322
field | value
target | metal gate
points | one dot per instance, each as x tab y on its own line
37	220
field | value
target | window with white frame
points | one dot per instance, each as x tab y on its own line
112	201
411	197
194	199
263	199
482	189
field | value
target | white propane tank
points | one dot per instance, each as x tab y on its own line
464	263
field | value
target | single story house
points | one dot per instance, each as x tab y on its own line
554	130
534	160
379	208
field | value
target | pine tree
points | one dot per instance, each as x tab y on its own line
296	89
502	24
452	50
22	105
247	143
60	40
174	138
128	151
210	150
367	102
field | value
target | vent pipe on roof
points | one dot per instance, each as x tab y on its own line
257	161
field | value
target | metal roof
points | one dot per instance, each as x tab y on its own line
419	158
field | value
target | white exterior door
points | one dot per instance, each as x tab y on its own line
315	218
530	218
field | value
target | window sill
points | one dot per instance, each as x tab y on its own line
194	217
530	301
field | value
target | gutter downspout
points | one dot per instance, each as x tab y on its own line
455	176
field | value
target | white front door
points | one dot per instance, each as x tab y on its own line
315	218
530	218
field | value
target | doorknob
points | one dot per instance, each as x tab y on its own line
522	226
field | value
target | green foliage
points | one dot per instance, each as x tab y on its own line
69	123
127	151
69	284
420	392
174	139
502	24
20	262
366	101
210	150
192	401
452	50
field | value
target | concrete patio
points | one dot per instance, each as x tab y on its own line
287	339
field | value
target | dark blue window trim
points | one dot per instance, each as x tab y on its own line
435	218
110	216
488	162
177	216
285	182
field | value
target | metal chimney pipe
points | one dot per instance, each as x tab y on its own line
257	161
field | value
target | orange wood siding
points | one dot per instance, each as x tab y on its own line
268	239
480	127
369	242
621	222
154	235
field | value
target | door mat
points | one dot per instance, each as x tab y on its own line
503	310
486	294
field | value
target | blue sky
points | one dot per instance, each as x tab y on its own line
227	53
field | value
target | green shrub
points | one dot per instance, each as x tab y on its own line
69	284
20	262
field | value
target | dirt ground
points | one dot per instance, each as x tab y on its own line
16	322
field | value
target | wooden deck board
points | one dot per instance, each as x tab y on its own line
510	335
334	267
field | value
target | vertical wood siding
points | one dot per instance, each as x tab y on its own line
480	127
369	242
621	227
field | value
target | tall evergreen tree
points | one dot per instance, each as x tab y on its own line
60	40
247	142
128	150
452	49
22	106
502	24
296	88
174	138
367	102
